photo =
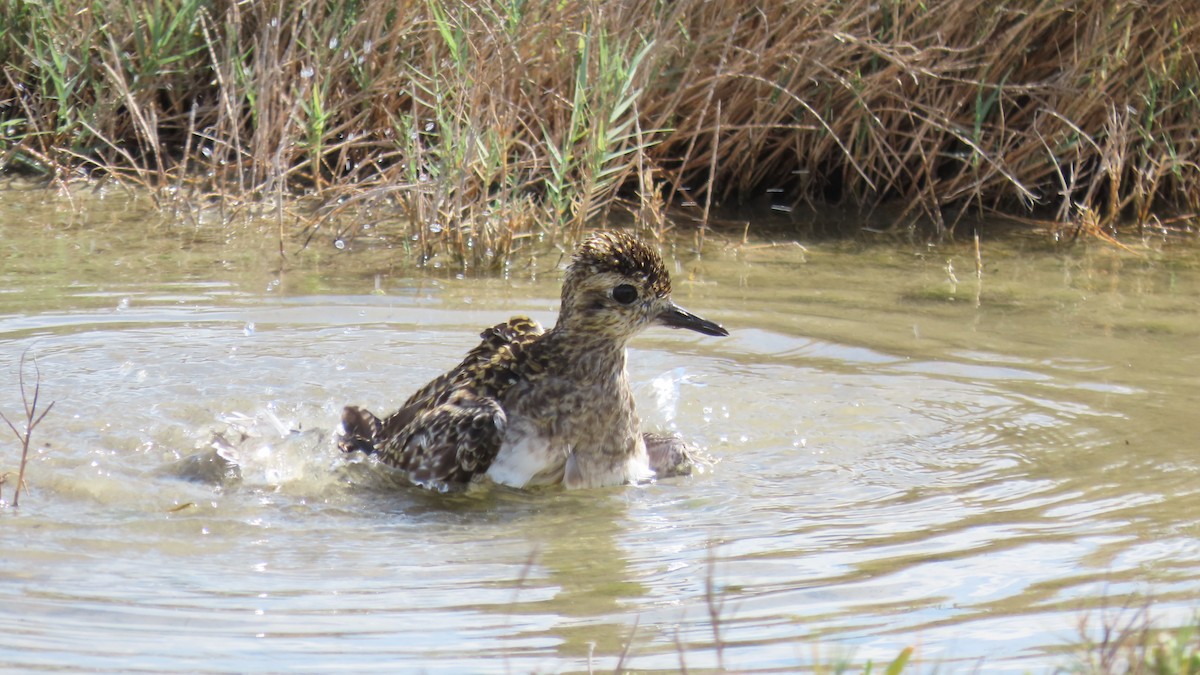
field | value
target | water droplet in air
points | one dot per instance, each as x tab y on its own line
339	244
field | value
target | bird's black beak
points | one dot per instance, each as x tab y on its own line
678	317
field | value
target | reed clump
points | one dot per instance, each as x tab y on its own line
484	122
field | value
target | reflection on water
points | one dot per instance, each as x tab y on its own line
904	456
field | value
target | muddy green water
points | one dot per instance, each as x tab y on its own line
902	459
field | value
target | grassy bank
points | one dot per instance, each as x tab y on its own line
485	121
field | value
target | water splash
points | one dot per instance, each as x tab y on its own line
665	390
271	451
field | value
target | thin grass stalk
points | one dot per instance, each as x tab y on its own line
712	172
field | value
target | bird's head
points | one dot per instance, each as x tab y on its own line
616	286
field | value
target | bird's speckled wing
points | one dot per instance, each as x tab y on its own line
517	330
451	428
449	442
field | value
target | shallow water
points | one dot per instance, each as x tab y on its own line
904	456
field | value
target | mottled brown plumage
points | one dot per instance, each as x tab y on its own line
529	407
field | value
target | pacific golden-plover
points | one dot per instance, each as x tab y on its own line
530	408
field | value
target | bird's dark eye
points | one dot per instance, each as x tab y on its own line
624	294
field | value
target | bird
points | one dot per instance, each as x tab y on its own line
530	407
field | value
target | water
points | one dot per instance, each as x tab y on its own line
904	456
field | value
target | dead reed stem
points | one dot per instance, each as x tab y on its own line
32	419
715	604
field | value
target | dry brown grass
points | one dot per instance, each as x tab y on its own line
486	122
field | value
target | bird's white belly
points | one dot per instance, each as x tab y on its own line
527	458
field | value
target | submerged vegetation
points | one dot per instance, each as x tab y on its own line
487	121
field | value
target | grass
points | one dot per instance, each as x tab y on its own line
1128	644
483	123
